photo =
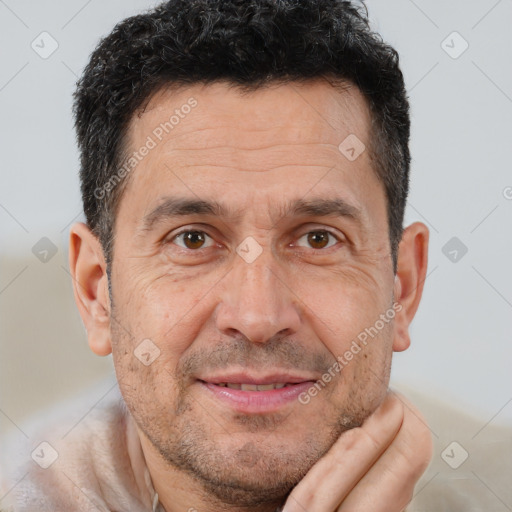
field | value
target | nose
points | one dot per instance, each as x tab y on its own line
257	301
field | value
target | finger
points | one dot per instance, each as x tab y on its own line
389	484
331	479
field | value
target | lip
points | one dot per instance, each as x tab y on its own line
256	402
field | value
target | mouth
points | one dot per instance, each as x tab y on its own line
256	394
253	387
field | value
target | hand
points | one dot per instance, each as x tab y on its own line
371	468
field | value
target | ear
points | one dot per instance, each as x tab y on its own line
409	280
90	286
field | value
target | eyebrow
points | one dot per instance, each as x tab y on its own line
174	207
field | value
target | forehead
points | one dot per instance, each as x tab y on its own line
314	111
217	135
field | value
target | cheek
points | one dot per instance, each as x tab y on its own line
340	310
146	387
170	311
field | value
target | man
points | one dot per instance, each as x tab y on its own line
244	171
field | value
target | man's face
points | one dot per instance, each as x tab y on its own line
259	293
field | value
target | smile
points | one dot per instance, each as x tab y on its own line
252	398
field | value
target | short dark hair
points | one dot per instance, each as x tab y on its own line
248	43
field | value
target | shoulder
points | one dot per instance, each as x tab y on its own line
471	464
77	462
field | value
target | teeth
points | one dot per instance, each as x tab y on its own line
253	387
249	387
260	387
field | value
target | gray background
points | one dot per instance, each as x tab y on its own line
461	187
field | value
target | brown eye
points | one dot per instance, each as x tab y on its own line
319	239
191	239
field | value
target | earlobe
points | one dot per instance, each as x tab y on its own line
409	280
90	286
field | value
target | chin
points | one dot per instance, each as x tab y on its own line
247	470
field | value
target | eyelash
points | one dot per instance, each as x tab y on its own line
205	233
